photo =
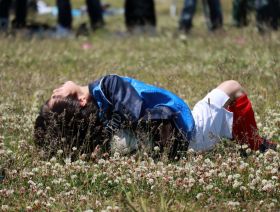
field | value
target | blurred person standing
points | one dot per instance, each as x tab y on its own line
268	14
140	16
20	14
4	14
212	11
240	10
64	26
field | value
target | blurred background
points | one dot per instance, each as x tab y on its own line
80	16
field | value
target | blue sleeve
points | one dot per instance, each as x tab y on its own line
123	97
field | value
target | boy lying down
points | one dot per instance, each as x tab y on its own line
116	113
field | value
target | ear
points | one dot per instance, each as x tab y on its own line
83	101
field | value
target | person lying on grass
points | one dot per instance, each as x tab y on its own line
116	113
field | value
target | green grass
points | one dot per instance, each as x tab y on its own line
189	66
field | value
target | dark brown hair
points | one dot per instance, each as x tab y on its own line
67	125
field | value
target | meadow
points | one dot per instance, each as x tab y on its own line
188	65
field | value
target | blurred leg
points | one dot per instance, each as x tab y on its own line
187	14
149	13
262	14
95	11
236	12
20	13
4	8
4	14
239	12
245	130
216	16
64	13
274	13
129	16
244	11
139	14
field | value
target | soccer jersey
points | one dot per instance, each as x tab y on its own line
135	100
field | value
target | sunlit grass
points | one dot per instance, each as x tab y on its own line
188	65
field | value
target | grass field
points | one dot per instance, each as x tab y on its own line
187	65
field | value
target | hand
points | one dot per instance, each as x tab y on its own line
68	88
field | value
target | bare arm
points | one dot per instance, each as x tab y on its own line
70	88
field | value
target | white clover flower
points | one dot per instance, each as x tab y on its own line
28	208
233	204
273	171
116	208
53	159
151	181
244	146
271	205
48	164
207	160
36	202
274	178
9	192
60	151
209	187
35	170
238	146
156	148
251	169
67	161
101	161
264	181
74	148
268	187
31	183
199	195
274	200
230	177
52	199
117	155
98	203
243	188
39	192
236	184
109	208
258	152
254	181
268	167
2	152
236	176
55	181
191	151
5	207
258	172
222	174
83	198
48	204
67	185
129	181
